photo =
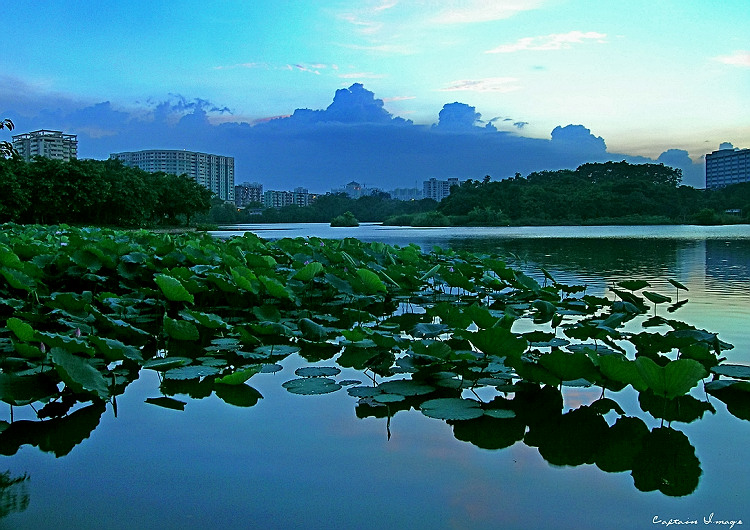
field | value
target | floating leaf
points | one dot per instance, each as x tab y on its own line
499	413
165	363
238	395
191	372
451	409
317	371
311	386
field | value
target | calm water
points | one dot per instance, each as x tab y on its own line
310	462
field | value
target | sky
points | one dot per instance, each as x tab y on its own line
385	92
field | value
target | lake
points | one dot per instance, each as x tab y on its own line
293	461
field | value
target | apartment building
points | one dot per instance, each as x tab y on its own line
49	144
215	172
727	166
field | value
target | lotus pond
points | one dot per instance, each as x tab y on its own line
518	378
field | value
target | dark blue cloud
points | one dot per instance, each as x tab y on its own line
354	138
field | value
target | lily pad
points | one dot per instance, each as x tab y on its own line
191	372
317	371
451	409
736	371
311	386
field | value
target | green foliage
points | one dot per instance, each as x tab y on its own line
83	310
345	219
101	192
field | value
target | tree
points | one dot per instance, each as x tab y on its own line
6	148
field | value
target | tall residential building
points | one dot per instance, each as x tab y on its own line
49	144
279	199
215	172
438	189
727	166
246	193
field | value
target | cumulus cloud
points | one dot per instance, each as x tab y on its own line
355	136
738	58
555	41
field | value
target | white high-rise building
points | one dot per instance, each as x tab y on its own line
438	189
726	166
46	143
215	172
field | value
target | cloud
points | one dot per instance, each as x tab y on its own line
738	58
520	124
320	149
555	41
489	84
240	65
473	11
361	75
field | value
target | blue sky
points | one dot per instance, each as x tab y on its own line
645	76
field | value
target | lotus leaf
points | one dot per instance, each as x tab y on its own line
173	288
451	409
311	386
78	374
317	371
191	372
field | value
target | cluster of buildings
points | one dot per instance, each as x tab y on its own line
726	166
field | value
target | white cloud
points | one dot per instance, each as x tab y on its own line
241	65
470	11
738	58
489	84
555	41
361	75
398	98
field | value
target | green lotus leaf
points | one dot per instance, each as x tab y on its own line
207	320
308	272
21	329
672	380
677	284
656	298
451	409
388	398
428	331
280	350
737	371
270	368
620	369
173	288
8	258
165	363
311	386
371	282
633	285
499	413
114	350
191	372
181	329
569	366
317	371
276	289
239	377
18	279
312	330
78	373
224	344
364	391
498	341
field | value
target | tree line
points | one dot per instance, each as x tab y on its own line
96	192
601	193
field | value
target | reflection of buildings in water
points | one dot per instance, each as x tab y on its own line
728	260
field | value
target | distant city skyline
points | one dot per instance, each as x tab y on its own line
535	84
